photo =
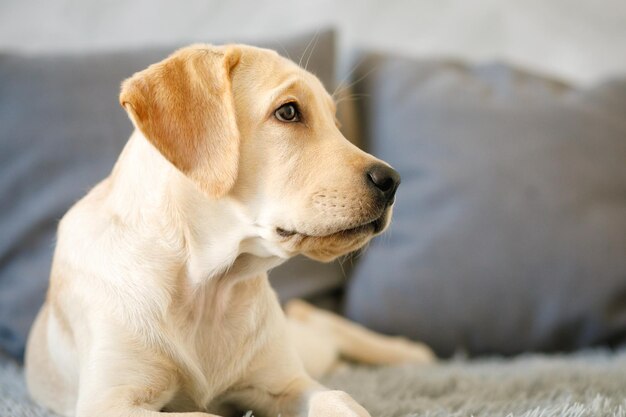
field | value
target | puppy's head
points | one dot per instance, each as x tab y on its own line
252	128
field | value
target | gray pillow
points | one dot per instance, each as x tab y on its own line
61	130
509	231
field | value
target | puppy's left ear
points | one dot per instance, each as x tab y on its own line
184	106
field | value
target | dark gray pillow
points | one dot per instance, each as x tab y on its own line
510	225
61	130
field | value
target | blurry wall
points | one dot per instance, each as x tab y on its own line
578	40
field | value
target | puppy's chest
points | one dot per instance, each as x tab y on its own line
213	351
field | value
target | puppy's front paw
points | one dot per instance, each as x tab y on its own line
334	404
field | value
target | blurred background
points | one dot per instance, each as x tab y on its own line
506	119
578	40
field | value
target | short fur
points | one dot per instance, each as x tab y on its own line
159	298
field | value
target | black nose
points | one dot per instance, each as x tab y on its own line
385	179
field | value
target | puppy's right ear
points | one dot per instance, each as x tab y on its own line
184	106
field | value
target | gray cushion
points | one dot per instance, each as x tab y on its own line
510	226
61	130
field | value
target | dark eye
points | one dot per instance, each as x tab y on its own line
288	113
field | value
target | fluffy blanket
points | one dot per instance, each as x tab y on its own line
591	383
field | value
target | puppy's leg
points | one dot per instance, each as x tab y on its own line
317	349
279	386
356	342
127	383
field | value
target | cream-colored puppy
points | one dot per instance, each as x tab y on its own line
159	299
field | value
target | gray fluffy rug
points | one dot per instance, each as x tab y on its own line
585	384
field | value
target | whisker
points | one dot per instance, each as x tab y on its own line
317	38
347	76
361	78
341	261
351	97
308	45
284	49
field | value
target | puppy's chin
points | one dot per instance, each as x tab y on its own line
331	248
327	248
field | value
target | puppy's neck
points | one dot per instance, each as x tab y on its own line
212	238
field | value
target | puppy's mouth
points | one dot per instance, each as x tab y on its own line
374	226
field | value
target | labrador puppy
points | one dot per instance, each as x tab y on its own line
159	299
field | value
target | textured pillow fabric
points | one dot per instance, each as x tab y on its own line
509	231
61	130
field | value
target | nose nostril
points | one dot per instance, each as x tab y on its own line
385	179
385	185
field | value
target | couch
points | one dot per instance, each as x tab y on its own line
509	232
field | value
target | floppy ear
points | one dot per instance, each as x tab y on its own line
184	106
